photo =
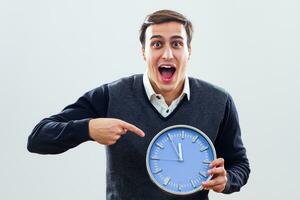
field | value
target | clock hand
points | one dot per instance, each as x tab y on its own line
180	152
163	159
173	145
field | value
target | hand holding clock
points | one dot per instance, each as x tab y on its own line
219	180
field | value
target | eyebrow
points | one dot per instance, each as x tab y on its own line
155	36
173	37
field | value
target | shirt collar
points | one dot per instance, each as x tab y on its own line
150	92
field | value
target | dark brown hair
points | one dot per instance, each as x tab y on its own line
163	16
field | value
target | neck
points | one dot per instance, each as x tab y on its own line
169	96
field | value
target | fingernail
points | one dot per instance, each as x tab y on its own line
209	171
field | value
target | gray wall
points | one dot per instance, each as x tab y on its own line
51	52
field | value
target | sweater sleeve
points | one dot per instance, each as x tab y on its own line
229	146
58	133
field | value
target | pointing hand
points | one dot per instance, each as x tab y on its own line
108	130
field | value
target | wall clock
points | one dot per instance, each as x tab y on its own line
178	159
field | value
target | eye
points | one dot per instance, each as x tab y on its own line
177	44
156	44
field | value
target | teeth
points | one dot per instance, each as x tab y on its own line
166	66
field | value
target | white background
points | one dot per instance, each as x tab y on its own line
51	52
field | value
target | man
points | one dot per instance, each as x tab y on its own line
145	104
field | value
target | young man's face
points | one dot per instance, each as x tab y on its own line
166	53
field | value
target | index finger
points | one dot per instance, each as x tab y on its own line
217	162
133	128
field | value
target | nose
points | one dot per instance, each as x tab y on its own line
167	54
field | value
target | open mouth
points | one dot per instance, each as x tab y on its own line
166	72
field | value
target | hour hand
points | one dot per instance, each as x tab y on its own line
180	152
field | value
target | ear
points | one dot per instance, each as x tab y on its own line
190	51
143	53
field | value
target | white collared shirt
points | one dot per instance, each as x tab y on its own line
158	100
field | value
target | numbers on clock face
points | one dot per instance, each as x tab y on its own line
179	160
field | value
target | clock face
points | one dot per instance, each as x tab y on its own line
178	159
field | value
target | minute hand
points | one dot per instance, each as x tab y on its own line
173	145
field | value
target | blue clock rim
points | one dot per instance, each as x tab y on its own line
159	134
